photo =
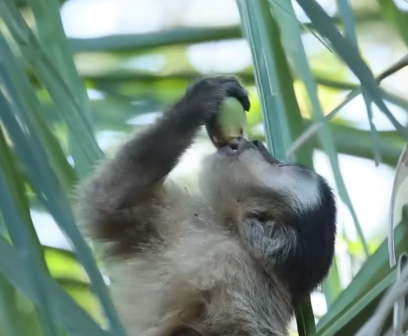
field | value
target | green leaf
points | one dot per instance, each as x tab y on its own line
400	177
86	148
305	320
68	314
155	39
323	24
332	285
285	80
389	97
15	74
174	36
347	15
63	264
50	192
373	272
396	17
353	94
52	35
260	34
281	112
291	35
360	309
11	318
357	143
22	234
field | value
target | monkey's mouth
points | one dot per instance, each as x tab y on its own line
239	145
234	145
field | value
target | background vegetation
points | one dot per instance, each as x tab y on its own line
65	101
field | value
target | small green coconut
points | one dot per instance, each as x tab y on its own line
230	124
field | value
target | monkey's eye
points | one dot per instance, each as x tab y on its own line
260	216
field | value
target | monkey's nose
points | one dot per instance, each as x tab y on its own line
266	154
244	145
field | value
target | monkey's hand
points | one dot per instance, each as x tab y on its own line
146	159
204	97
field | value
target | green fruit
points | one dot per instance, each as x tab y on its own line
231	121
232	114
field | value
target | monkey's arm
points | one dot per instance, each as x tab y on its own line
121	202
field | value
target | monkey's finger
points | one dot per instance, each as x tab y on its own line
234	89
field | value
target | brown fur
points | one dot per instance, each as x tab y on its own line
216	262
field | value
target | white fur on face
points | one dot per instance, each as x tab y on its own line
302	188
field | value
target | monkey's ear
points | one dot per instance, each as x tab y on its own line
185	331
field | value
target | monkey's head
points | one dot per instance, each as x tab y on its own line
273	205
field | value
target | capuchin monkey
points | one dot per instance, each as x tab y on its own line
237	257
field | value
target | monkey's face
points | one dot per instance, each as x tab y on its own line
274	207
243	179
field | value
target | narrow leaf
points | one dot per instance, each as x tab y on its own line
350	55
291	36
374	269
347	16
312	130
58	160
85	144
401	174
258	32
74	318
50	193
396	17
